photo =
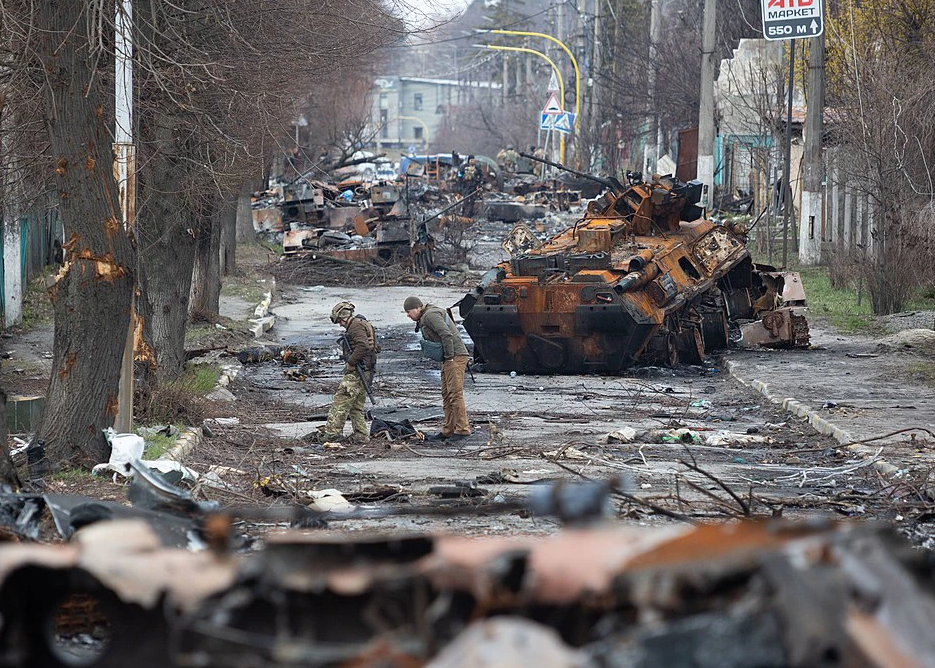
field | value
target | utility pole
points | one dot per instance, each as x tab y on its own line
705	165
786	171
810	229
506	77
125	174
560	25
594	124
519	84
651	156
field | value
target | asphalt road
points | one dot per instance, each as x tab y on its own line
745	453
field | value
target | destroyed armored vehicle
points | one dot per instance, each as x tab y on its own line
642	278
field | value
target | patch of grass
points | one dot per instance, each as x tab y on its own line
837	305
71	475
924	301
37	307
182	401
252	294
196	333
157	445
922	372
200	379
261	251
257	253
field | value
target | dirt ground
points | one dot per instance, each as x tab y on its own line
746	455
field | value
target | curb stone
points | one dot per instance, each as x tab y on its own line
263	320
186	443
820	423
190	437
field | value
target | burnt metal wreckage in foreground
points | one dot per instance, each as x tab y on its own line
642	278
749	595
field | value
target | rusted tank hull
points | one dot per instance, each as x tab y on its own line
588	338
633	283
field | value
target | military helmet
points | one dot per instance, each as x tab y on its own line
341	311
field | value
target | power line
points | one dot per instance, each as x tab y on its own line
474	36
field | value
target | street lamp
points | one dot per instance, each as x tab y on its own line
574	62
558	75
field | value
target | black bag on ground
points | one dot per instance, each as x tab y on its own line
391	430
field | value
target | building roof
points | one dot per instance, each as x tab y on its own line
452	82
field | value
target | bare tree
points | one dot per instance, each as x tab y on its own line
880	57
215	81
338	114
220	85
91	295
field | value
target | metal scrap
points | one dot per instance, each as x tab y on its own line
748	594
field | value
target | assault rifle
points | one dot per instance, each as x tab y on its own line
361	372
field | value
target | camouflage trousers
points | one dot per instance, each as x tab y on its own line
348	402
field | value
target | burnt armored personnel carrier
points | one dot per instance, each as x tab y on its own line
642	278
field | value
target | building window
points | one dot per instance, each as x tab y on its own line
440	109
384	101
384	122
417	101
417	132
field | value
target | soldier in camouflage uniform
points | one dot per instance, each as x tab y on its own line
507	158
359	345
539	167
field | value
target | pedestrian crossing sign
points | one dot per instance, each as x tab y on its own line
547	121
553	83
564	122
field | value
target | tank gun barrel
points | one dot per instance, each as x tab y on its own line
609	182
448	208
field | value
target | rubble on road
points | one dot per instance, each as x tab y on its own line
757	595
398	222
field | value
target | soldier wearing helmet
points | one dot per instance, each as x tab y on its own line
360	348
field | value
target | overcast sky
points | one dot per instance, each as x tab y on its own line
426	12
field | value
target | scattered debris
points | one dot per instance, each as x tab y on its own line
329	500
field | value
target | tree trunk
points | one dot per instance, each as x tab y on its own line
228	237
92	296
168	255
245	231
206	277
9	480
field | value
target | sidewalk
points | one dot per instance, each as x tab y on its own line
851	388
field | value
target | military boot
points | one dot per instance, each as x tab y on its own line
322	437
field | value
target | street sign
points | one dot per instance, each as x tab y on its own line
552	106
564	122
547	121
792	19
553	84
